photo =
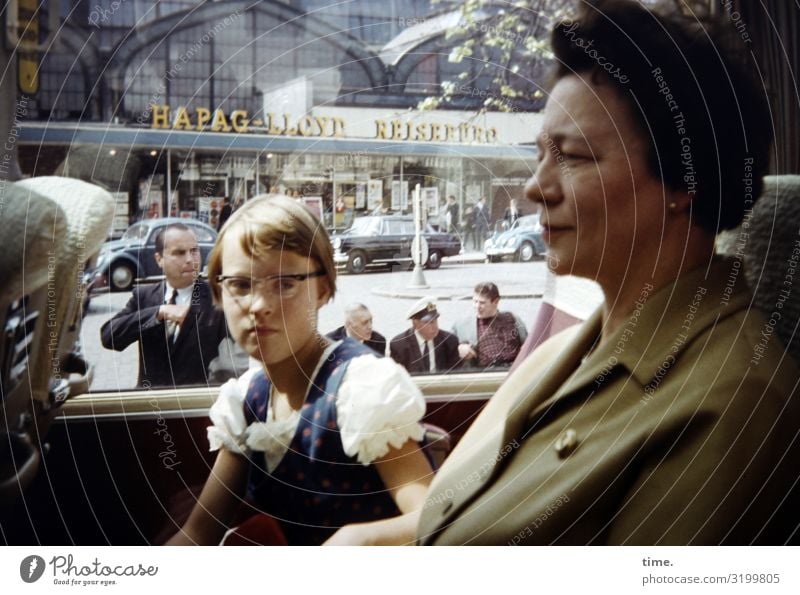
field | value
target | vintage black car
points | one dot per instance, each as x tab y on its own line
122	261
387	239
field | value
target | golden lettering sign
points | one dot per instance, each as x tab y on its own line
405	130
203	119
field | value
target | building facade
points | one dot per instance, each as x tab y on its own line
175	105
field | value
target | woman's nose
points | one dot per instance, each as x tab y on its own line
544	185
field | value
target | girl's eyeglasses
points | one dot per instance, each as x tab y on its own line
284	287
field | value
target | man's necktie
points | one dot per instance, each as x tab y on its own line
172	326
426	358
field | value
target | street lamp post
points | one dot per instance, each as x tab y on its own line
419	249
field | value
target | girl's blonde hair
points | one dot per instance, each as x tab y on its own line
275	222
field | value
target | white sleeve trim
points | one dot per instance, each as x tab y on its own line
378	407
227	416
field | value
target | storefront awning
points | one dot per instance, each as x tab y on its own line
113	136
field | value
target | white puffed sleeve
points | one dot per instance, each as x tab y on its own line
378	406
227	415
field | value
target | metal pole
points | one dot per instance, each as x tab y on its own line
333	183
169	182
402	159
417	277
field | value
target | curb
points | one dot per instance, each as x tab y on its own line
451	292
442	293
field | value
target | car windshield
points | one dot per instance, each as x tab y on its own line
136	232
366	226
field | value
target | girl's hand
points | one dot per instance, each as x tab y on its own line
356	534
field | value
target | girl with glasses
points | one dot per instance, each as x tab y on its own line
323	436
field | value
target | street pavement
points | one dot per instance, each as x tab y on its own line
387	293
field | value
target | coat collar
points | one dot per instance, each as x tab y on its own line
663	323
542	381
544	386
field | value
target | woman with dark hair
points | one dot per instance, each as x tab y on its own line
653	422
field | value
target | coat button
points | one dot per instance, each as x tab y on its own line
566	443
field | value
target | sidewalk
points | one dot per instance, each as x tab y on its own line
457	287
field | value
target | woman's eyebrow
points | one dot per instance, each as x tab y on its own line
545	139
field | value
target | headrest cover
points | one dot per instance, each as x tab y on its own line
88	211
34	228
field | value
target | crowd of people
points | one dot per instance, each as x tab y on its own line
487	339
182	337
642	425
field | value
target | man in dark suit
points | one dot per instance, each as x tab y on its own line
225	212
451	215
512	213
482	222
174	321
358	326
424	348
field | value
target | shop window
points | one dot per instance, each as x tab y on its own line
424	78
62	85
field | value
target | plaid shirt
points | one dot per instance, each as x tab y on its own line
498	340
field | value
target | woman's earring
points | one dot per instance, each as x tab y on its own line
673	206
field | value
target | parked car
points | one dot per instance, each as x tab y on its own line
523	240
122	261
386	239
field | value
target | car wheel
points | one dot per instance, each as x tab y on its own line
526	252
434	260
492	258
121	276
357	262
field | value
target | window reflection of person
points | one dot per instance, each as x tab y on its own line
649	423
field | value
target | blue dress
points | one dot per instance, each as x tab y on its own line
316	488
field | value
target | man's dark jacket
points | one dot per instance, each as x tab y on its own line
162	361
376	341
404	349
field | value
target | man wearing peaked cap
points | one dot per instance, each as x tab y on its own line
424	347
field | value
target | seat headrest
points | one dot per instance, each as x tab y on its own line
89	210
768	242
34	227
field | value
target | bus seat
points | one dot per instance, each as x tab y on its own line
566	301
89	212
768	243
34	227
